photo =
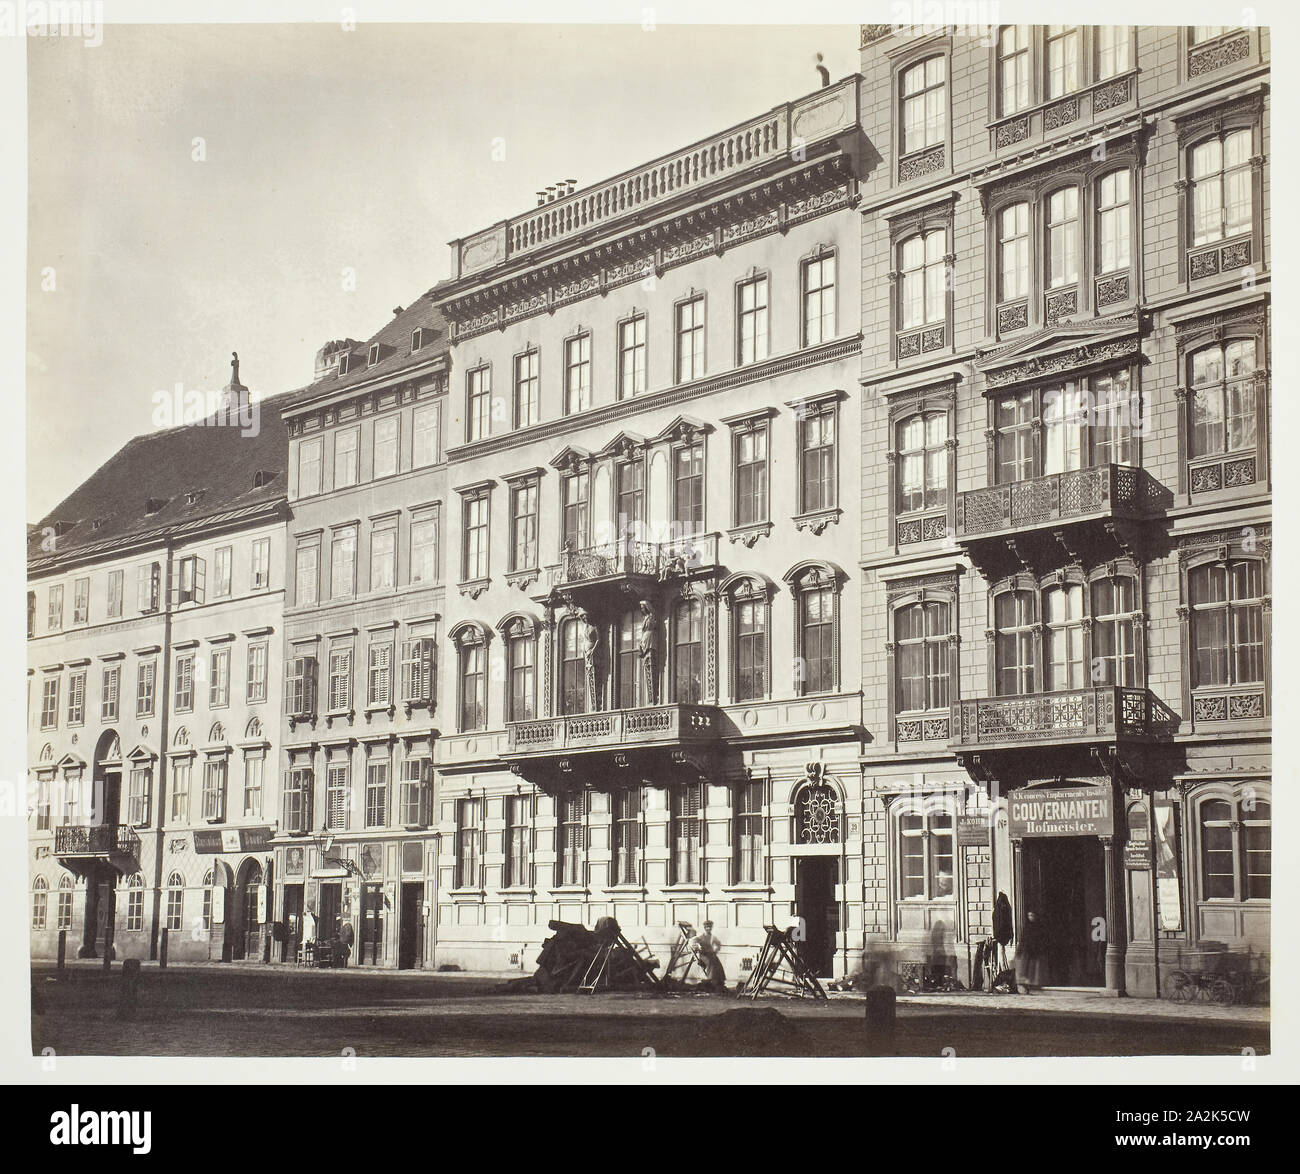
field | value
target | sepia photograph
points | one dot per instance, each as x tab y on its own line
635	537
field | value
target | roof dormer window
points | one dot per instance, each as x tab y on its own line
374	355
418	338
154	504
343	363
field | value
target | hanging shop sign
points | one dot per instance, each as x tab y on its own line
1060	811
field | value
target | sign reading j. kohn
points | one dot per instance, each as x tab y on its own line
1060	811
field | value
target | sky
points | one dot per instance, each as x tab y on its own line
200	189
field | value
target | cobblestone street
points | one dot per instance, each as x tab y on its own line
252	1011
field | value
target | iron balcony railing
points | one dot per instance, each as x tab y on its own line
98	839
1101	713
616	728
1114	491
629	556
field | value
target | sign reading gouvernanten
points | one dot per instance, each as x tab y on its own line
1060	811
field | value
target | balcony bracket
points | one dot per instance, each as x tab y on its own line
1071	550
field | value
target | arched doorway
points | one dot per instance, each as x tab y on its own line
817	848
249	911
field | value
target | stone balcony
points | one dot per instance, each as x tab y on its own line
78	846
631	560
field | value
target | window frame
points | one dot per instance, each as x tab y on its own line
532	357
698	326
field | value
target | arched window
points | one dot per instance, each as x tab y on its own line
521	670
816	592
1222	193
1114	222
470	641
135	903
921	632
1063	613
817	815
1236	848
924	94
65	903
1013	252
922	462
922	269
1114	630
40	902
1015	616
1063	237
175	902
1224	407
750	618
688	651
1227	622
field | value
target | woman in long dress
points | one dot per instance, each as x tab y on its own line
1031	955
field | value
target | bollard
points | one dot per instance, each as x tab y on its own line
128	993
63	949
881	1021
162	951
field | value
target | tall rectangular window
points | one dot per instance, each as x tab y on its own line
214	789
924	104
81	601
686	834
181	781
575	492
627	835
219	679
817	639
261	572
307	574
254	776
748	801
108	704
1062	59
1013	68
338	796
424	549
377	793
1114	223
570	837
921	632
77	699
343	563
521	653
688	488
345	457
819	299
184	692
1114	44
426	434
1222	187
1063	238
379	674
577	373
221	572
817	461
309	464
298	787
474	550
385	441
1227	623
469	843
415	799
1013	253
1014	424
340	679
750	617
688	652
383	558
632	356
473	687
50	703
1015	619
1223	399
528	399
751	321
115	588
923	276
518	839
523	525
478	407
145	678
629	504
689	357
55	616
749	449
258	660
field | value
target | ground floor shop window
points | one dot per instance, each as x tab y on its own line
1236	848
925	853
686	834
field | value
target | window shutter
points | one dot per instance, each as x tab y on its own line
410	669
426	670
200	579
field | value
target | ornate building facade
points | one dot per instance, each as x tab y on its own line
652	675
1066	492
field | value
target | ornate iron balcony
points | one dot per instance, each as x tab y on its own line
1105	492
656	725
1099	714
103	839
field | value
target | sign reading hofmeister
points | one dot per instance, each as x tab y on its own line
1061	811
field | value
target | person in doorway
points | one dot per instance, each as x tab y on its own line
309	927
705	948
1031	955
345	940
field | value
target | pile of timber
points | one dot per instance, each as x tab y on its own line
576	958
